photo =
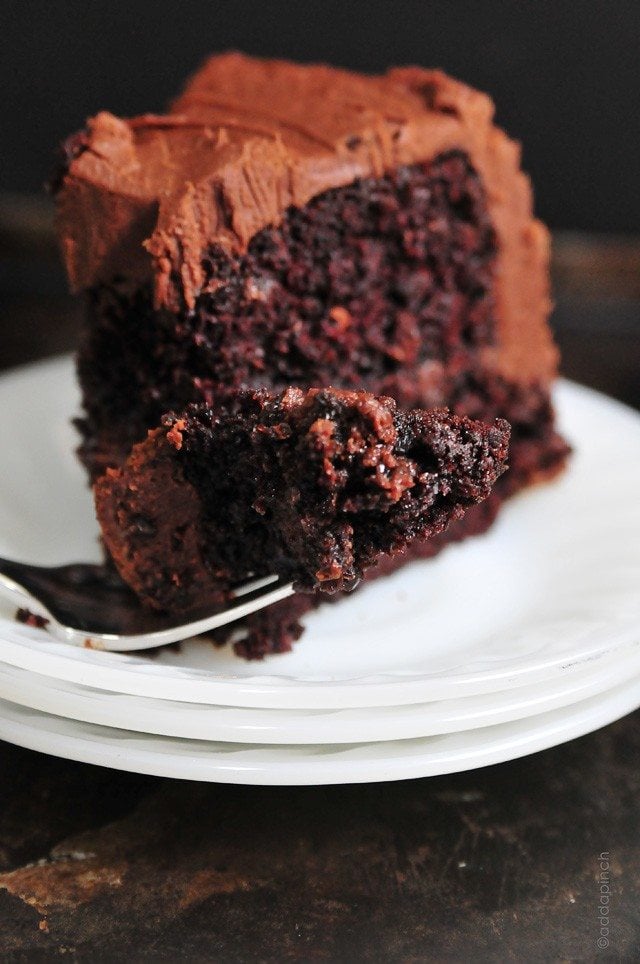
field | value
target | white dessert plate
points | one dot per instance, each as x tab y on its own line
311	765
553	584
200	721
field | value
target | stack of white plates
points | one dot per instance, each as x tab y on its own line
502	646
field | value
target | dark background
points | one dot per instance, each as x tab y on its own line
564	74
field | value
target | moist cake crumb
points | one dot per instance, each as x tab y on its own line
25	616
311	486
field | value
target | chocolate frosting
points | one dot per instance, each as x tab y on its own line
145	197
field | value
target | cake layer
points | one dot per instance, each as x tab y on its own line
314	487
385	285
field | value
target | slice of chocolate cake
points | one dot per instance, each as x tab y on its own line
313	487
287	225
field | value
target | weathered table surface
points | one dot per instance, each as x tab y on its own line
497	864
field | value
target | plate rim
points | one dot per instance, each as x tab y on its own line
318	765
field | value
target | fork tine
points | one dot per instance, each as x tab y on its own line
254	584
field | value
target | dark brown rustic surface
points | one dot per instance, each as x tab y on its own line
499	864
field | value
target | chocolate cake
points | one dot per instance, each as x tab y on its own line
311	486
287	225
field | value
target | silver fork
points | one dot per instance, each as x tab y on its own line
83	605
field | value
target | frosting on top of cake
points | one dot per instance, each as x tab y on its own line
248	138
